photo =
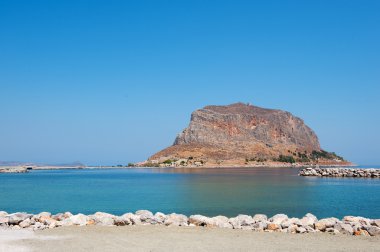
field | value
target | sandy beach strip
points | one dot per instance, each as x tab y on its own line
161	238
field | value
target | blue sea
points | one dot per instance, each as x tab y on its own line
210	192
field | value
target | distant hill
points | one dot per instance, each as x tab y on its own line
245	134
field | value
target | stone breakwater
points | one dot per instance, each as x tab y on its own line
13	169
349	225
341	172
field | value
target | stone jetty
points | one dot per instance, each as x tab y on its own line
13	169
349	225
340	172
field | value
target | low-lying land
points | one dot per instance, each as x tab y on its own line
13	169
341	172
349	225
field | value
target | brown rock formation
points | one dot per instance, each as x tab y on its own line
239	133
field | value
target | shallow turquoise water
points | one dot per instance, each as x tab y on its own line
227	191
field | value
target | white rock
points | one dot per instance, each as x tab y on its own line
25	223
131	219
103	219
309	215
292	221
176	220
344	228
159	218
145	215
278	219
373	231
308	221
260	217
300	230
67	222
219	221
16	218
79	219
4	220
198	220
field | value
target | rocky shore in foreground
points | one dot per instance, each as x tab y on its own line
340	172
349	225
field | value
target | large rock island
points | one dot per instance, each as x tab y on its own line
244	135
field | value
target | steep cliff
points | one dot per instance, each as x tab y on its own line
241	133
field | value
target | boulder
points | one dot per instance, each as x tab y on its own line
260	226
218	221
67	222
309	215
145	215
159	218
376	222
289	222
176	220
292	229
322	224
373	231
131	219
39	226
119	221
3	214
273	227
79	219
16	218
300	230
242	222
310	229
44	214
103	219
344	228
106	221
259	217
278	218
308	221
67	215
47	220
25	223
198	220
332	230
353	220
245	220
4	220
361	233
58	217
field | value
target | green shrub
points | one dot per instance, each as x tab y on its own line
169	161
286	159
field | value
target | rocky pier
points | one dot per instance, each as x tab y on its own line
349	225
341	172
13	169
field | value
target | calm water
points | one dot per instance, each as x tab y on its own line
209	192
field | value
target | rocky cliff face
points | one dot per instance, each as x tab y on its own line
241	132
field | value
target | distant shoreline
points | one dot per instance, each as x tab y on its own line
24	169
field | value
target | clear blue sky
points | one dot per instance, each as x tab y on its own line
107	82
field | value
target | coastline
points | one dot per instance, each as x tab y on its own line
24	169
